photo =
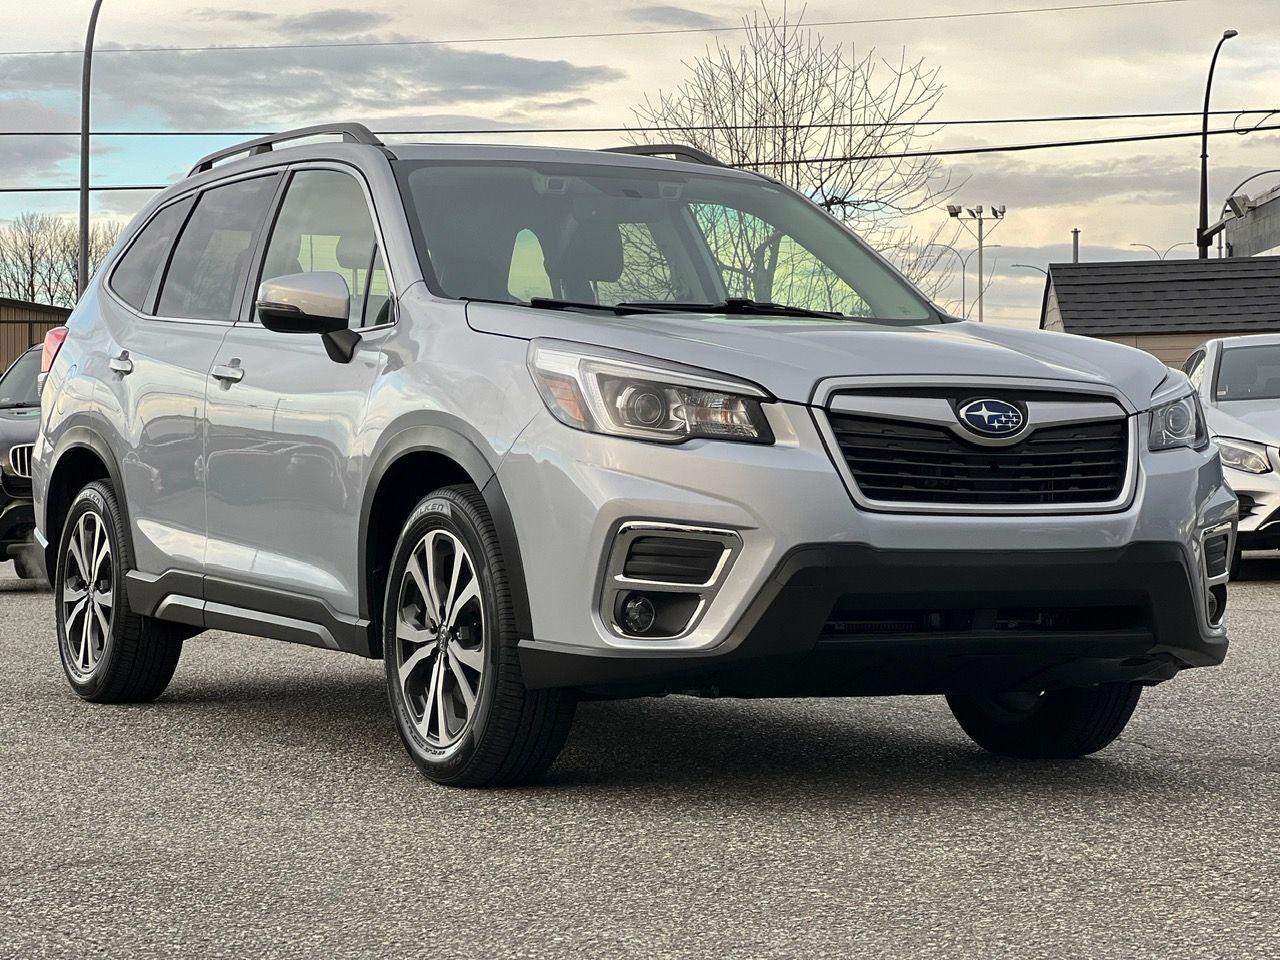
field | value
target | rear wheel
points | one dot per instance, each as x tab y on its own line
1055	724
449	642
109	653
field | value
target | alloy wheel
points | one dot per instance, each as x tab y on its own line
440	638
88	594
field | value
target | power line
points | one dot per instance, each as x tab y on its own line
1007	148
943	152
966	15
981	121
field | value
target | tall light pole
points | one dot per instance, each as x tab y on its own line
978	215
1030	266
1203	240
1159	255
964	270
82	272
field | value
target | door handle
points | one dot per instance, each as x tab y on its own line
228	373
122	364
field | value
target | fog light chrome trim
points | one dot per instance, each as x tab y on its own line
615	582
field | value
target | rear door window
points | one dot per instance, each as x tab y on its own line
211	261
136	273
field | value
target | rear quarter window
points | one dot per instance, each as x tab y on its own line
134	274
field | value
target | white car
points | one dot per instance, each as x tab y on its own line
1238	379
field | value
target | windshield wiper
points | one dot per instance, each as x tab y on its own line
547	303
19	404
739	307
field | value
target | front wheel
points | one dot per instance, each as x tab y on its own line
449	644
1053	725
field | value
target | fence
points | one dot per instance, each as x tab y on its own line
24	324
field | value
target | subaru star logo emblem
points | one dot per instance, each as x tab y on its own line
993	418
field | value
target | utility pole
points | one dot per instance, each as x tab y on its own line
82	268
978	215
1075	245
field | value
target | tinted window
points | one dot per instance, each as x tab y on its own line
211	259
1249	373
18	387
138	267
325	225
505	230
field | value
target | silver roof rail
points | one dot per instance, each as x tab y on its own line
350	132
677	150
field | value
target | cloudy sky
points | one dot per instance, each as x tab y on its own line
1133	59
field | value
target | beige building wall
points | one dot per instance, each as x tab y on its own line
1172	348
22	327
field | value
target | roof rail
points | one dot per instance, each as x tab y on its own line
676	150
351	133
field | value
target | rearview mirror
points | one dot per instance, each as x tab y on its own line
317	302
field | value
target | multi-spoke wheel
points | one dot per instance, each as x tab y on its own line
440	637
109	653
449	640
87	593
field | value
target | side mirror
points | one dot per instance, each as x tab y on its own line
305	303
317	302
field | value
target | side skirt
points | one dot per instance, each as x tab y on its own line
211	603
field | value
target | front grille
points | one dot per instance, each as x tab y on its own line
898	462
673	559
20	460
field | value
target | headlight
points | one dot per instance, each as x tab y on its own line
603	394
1243	455
1178	424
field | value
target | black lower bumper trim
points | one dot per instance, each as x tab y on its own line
845	620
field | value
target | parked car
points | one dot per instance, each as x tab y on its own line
19	424
1238	379
536	424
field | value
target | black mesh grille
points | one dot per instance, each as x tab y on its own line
1215	555
917	463
672	559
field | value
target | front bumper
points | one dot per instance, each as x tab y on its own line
17	521
843	620
1259	495
807	550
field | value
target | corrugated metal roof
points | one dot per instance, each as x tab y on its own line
1234	295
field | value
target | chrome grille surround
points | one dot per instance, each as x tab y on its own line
20	460
930	402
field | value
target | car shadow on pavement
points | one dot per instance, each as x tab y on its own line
761	749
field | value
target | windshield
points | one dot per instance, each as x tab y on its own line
597	234
1249	373
18	385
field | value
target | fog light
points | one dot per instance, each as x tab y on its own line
638	614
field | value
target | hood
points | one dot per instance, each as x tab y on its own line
18	426
1257	420
789	357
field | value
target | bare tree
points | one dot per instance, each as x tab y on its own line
823	120
39	253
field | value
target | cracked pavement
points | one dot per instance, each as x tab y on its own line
264	807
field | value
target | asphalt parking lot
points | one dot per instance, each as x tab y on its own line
263	807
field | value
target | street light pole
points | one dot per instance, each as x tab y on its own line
1203	240
978	215
82	271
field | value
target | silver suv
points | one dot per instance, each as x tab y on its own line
533	425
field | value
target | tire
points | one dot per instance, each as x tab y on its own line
25	569
1054	725
109	653
454	682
